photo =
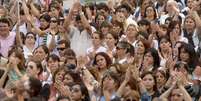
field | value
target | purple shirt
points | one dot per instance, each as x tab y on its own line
6	43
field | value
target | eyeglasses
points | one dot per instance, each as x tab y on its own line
60	49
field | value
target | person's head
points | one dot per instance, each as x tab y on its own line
186	53
54	9
111	39
170	6
141	46
189	23
142	35
164	43
30	85
63	98
190	3
58	75
44	21
125	9
151	57
149	81
54	22
161	77
41	52
104	28
131	31
4	27
144	4
174	28
103	8
122	48
150	11
79	92
102	60
62	45
117	27
110	81
53	62
30	38
17	56
99	19
79	23
163	31
144	25
34	68
3	11
71	77
97	38
182	67
176	95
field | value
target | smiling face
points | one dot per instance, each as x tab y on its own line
4	29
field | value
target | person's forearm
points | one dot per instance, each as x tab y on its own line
3	78
187	97
52	44
166	93
85	23
34	10
121	88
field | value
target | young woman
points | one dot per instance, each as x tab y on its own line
151	60
34	69
190	30
111	40
101	63
150	14
29	44
140	47
161	78
165	50
110	84
79	92
174	32
97	39
16	65
150	84
187	54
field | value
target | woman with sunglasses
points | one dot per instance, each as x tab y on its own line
34	69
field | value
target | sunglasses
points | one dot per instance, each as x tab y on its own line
60	49
30	66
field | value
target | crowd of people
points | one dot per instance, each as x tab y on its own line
119	50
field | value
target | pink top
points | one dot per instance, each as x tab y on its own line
6	43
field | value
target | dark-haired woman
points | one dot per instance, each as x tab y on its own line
29	44
151	60
187	54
